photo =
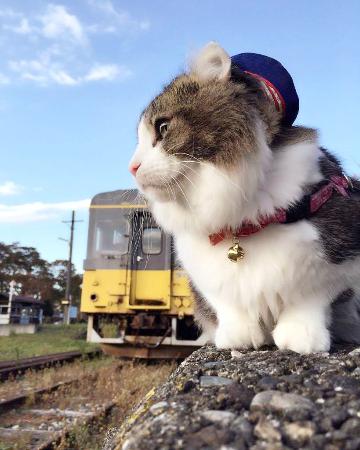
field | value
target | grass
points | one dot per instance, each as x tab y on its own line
126	384
49	339
36	379
100	381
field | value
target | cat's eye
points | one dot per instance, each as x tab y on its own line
161	128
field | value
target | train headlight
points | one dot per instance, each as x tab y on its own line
94	297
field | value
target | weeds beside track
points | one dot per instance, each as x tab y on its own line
73	413
16	366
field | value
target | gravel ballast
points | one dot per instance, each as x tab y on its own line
266	399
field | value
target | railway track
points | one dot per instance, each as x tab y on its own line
36	422
14	367
71	407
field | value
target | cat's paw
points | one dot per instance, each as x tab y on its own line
239	337
226	339
301	337
237	354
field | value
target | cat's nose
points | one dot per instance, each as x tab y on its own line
134	168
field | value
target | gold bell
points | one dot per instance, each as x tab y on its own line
236	252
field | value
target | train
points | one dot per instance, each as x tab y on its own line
135	293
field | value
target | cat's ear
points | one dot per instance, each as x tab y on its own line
212	62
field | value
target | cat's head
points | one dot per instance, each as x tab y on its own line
210	116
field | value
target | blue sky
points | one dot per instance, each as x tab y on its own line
74	76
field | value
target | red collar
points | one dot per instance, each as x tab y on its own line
302	210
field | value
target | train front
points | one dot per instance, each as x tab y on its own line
137	299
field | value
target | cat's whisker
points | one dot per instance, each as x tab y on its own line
179	172
218	173
168	188
183	193
173	192
199	161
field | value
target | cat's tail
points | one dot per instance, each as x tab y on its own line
345	326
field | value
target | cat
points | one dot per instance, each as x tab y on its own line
212	155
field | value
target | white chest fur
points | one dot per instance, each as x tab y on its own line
282	276
283	287
277	262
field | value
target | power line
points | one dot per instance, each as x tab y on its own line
67	302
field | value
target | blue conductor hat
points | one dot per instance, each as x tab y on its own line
275	80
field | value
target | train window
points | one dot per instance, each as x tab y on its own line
151	241
111	237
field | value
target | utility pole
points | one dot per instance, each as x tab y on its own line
67	303
12	293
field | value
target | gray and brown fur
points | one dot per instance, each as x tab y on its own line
216	121
338	220
205	316
212	120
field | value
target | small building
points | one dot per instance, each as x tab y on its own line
21	314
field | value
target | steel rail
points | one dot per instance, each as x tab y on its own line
18	400
14	367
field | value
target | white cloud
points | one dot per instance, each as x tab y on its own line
23	27
44	72
107	72
57	44
57	22
10	188
26	65
4	79
38	211
120	21
62	77
8	12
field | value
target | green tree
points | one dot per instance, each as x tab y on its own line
26	267
35	276
59	271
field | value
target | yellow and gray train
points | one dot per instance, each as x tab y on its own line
135	294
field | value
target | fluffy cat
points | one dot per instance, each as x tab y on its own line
213	154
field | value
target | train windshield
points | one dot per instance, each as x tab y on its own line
110	236
151	241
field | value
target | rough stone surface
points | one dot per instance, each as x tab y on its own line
208	381
267	430
270	400
218	416
159	408
298	434
282	402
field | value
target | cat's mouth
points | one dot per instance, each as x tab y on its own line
160	185
152	188
156	187
161	190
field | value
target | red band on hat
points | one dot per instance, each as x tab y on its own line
271	91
